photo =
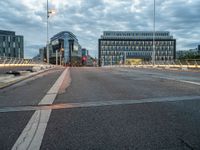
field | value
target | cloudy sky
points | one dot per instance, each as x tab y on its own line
87	19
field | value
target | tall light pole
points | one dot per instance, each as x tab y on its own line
47	32
48	15
154	27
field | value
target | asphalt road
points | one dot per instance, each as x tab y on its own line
116	108
28	92
166	125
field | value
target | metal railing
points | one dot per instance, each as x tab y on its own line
9	61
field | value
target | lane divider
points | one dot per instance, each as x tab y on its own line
32	135
177	80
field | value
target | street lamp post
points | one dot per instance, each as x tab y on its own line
48	15
154	26
47	31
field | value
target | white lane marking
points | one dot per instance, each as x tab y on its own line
191	82
174	79
98	103
160	75
32	135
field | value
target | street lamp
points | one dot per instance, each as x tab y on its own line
154	52
48	15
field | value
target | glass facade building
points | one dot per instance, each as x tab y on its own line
68	42
115	46
11	45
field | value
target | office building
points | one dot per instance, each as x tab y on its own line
116	47
67	47
11	45
43	54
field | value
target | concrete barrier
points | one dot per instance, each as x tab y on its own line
36	68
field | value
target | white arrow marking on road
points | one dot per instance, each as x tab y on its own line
32	135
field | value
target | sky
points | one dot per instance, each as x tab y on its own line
87	19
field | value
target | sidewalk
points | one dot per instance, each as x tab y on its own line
8	80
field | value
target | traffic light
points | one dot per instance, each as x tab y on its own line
84	58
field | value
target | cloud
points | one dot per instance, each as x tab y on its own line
87	19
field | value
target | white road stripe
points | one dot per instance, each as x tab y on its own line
191	82
160	75
174	79
32	135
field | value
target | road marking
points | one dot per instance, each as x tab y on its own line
191	82
96	104
160	75
32	135
174	79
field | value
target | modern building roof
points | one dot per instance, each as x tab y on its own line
62	33
5	32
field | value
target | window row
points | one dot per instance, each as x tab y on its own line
132	48
11	38
130	43
120	54
10	44
136	34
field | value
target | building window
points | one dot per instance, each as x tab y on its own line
8	38
4	44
